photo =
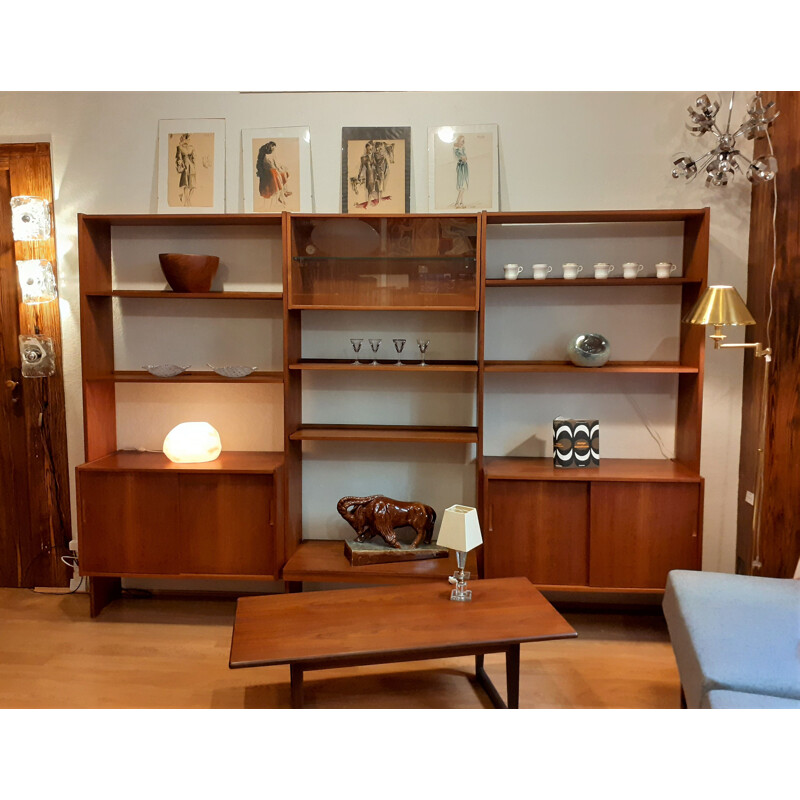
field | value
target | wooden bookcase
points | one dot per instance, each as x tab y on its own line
616	528
352	264
139	514
622	526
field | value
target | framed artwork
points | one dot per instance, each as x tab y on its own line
463	168
376	170
277	169
191	166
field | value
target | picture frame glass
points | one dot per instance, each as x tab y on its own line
191	166
463	168
376	170
277	170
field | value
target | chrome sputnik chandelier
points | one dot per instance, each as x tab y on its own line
723	161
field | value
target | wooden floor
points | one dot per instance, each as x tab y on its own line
173	653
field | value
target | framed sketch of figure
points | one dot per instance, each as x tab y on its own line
191	166
376	170
463	168
276	166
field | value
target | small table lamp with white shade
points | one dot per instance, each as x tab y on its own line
460	531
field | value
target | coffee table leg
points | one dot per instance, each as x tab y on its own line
296	672
485	681
512	676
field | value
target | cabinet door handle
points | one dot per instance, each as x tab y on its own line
491	517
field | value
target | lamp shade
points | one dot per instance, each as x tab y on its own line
460	529
192	443
720	305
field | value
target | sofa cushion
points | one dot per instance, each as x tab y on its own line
734	632
723	698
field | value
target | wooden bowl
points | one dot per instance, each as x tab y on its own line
188	273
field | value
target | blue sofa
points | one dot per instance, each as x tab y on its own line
736	639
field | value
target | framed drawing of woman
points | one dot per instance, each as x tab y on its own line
191	166
276	168
463	168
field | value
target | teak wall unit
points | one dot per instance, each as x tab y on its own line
140	515
601	529
397	263
623	525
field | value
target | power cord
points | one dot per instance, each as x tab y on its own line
653	433
60	594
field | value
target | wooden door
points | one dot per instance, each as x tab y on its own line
538	530
174	524
35	529
227	524
129	523
15	527
640	531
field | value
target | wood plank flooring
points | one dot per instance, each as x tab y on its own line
164	652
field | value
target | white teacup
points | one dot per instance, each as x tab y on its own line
571	271
630	269
540	271
603	270
512	271
664	268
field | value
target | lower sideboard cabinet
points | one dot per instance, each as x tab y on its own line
584	533
140	517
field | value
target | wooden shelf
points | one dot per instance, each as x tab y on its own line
382	433
573	217
635	367
386	257
231	461
385	366
610	469
182	220
324	560
501	283
393	307
205	376
155	294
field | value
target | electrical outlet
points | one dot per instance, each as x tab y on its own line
73	545
749	497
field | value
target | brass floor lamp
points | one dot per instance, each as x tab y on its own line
723	305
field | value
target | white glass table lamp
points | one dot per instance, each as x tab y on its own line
460	531
192	443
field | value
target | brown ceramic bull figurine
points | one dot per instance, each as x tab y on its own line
379	516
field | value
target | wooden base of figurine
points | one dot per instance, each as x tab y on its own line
361	554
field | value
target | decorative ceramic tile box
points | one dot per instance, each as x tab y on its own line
576	442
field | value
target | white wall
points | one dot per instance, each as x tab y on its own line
558	151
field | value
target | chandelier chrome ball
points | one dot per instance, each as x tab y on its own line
722	162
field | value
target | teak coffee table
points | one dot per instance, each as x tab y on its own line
354	627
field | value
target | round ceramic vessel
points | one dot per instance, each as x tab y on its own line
589	350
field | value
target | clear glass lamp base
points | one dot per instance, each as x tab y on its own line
460	593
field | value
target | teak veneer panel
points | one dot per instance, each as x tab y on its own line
503	283
645	367
380	624
641	531
378	433
199	376
609	469
177	523
228	461
539	530
385	366
156	294
321	560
